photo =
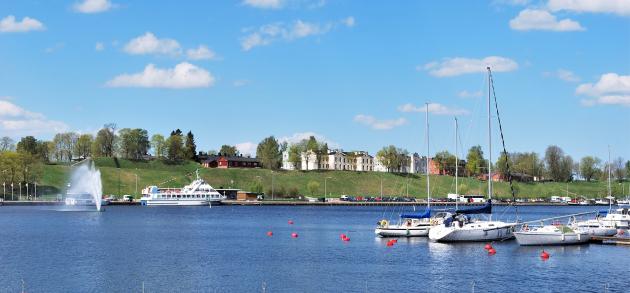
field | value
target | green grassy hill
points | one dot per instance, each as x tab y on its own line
123	181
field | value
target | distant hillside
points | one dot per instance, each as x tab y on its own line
123	181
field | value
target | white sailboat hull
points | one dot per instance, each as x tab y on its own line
535	238
402	231
476	231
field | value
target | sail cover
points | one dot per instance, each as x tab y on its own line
420	215
485	209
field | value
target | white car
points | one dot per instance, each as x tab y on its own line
127	197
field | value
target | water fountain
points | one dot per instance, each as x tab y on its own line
86	179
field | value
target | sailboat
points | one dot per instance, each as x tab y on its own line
414	224
460	227
607	225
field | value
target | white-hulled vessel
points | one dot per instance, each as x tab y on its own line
595	227
197	193
461	228
551	235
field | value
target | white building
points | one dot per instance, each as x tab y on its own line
286	164
415	164
334	160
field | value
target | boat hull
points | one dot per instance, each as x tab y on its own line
177	202
402	231
534	238
470	234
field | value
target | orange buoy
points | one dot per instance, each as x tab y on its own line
492	251
544	255
294	235
290	222
269	233
488	246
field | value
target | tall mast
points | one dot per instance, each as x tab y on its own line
489	136
427	133
456	166
609	187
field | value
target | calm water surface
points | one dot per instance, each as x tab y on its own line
226	249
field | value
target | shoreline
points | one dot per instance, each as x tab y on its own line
303	203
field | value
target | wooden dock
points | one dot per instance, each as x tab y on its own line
611	240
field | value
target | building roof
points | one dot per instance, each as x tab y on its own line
232	159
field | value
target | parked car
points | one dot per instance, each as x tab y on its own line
127	197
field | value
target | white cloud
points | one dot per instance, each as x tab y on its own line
264	4
435	108
511	2
17	121
99	46
93	6
184	75
379	124
279	4
300	136
240	82
459	65
270	33
201	53
55	47
611	89
349	21
150	44
619	7
247	148
467	94
533	19
563	74
9	25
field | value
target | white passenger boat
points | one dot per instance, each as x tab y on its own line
551	235
197	193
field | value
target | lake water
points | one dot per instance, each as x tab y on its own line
226	249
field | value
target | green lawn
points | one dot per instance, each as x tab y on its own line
123	181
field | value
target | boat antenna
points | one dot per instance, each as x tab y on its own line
428	181
505	153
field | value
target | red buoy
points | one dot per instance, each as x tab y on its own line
487	247
544	255
346	239
342	236
294	235
492	251
269	233
390	243
395	240
290	222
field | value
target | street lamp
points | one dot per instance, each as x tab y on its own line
325	187
381	186
272	184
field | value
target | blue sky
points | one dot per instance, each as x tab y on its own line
354	73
